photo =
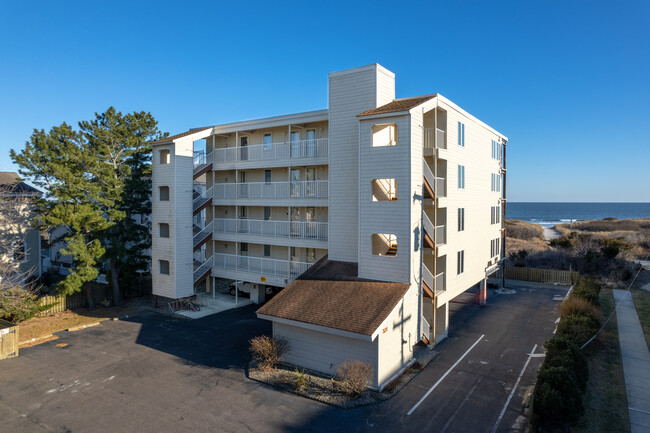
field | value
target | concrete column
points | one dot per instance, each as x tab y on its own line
482	293
258	293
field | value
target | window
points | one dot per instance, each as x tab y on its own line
164	193
461	219
495	247
460	265
310	144
163	267
164	156
19	251
384	244
384	134
496	150
495	215
267	213
267	176
461	134
311	255
164	230
461	177
243	249
267	250
495	184
268	139
384	190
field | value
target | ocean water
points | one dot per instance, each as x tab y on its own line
554	213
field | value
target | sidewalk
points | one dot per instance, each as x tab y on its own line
636	362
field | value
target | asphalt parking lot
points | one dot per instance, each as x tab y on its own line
158	374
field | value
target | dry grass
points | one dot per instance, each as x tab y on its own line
576	305
267	352
521	235
40	326
635	232
354	377
605	399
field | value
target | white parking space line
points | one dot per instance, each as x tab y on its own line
445	375
514	388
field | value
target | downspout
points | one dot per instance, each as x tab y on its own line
503	217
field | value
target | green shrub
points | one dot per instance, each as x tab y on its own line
580	327
301	381
18	304
588	289
564	242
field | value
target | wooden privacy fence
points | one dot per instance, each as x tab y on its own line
100	293
540	275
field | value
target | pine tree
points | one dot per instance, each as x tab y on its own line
98	184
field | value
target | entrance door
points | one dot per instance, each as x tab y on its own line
310	143
243	220
295	182
295	145
243	142
310	223
294	267
243	187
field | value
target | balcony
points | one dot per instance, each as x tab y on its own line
435	284
259	265
434	138
314	148
284	229
313	189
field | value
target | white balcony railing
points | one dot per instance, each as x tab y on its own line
437	183
286	229
426	328
441	235
254	190
434	138
440	283
273	151
437	283
259	265
202	235
201	198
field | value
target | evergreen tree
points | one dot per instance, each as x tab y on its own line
98	184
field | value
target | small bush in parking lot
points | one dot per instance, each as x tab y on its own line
267	351
301	381
587	289
354	377
574	305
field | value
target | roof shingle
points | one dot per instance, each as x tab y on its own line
345	302
397	105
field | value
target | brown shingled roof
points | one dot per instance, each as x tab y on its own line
397	105
357	305
182	134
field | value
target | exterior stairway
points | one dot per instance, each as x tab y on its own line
203	236
202	163
202	271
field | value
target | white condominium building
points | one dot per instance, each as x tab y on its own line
372	215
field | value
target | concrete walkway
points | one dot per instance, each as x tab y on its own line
636	362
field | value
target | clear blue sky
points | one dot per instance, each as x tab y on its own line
567	81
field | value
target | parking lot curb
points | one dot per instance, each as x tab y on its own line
32	340
77	328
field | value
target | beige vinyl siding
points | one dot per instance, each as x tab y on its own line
325	352
350	93
476	198
388	217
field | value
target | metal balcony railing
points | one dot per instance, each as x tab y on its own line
203	269
273	151
255	190
437	183
201	198
259	265
286	229
202	235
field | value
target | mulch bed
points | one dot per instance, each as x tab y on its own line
327	390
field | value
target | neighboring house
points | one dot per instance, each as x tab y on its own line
20	242
399	203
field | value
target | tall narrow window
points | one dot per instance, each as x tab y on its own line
164	156
243	249
267	176
163	267
164	193
267	213
461	177
460	266
461	219
267	250
164	230
461	134
19	251
268	139
310	143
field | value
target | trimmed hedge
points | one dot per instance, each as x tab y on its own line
562	379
